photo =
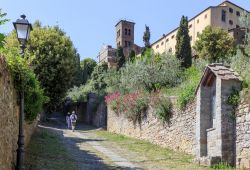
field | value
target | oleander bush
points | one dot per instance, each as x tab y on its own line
132	105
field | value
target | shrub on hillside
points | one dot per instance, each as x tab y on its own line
191	78
150	74
241	64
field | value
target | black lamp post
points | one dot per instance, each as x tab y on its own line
23	28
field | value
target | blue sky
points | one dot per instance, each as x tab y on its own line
90	23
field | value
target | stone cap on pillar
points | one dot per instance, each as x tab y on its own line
219	70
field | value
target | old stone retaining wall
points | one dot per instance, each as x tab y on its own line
96	111
243	135
9	111
178	135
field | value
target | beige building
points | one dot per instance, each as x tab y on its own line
107	54
225	15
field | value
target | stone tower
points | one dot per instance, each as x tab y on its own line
125	35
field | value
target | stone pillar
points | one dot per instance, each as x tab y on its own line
228	126
203	121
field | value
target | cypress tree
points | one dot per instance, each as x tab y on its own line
183	47
146	37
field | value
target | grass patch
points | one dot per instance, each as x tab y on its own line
163	156
46	151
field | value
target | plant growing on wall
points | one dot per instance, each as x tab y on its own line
24	77
162	107
234	100
132	105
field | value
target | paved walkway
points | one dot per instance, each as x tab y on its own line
88	151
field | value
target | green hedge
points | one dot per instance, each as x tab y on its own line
24	77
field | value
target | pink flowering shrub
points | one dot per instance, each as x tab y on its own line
132	104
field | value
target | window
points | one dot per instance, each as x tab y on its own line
129	32
198	21
231	22
190	26
172	36
118	33
191	38
223	15
126	31
167	40
237	26
126	43
237	13
157	46
129	43
170	50
162	43
205	16
231	10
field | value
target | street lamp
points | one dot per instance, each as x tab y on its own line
23	28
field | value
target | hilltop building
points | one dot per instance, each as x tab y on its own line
124	39
225	15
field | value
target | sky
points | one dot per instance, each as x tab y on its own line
91	23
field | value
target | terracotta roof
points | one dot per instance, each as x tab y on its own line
219	70
223	72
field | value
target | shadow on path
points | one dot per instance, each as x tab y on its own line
86	152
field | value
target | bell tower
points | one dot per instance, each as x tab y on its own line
125	34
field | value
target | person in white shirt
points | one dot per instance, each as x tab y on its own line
73	118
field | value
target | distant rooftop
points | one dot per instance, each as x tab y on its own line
124	21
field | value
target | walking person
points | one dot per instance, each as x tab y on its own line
73	119
68	121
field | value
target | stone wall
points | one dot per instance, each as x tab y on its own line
243	135
99	118
178	135
9	111
8	119
96	111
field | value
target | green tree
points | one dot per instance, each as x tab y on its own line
132	56
2	21
183	48
98	77
120	57
53	58
77	81
146	37
214	45
245	23
87	67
